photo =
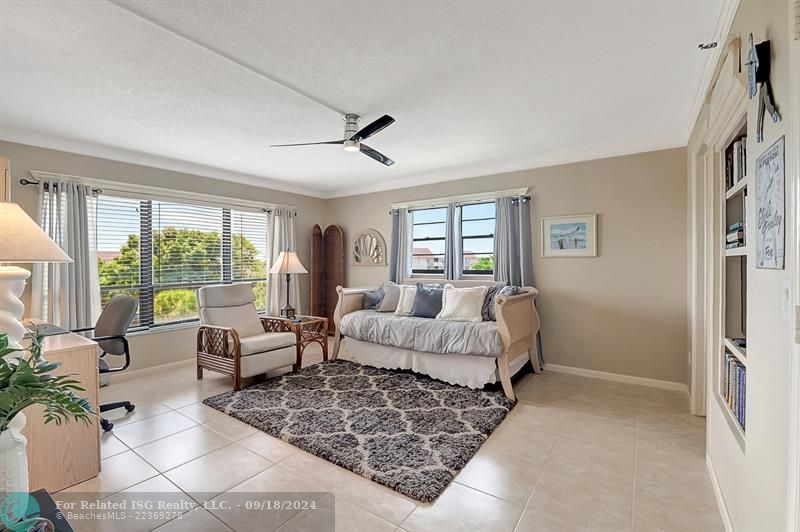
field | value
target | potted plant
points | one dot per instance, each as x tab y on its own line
26	379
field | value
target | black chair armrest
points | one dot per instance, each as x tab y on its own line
82	330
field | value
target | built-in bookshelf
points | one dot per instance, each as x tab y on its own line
732	367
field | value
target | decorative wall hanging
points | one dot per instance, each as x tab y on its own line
569	236
327	270
369	249
758	70
770	208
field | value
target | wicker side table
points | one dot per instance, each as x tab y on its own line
308	329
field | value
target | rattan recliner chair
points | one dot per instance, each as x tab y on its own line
233	339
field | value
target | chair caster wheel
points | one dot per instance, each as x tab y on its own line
130	408
106	425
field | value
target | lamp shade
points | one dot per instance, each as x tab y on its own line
288	262
22	240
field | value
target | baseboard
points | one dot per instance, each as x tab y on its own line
618	377
723	509
127	375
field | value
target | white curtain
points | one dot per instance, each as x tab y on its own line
453	261
68	295
281	237
401	246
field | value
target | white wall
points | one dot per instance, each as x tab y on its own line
754	480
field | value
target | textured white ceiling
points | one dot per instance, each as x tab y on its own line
475	87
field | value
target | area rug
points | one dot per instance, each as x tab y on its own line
406	431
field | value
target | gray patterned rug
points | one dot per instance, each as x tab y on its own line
405	431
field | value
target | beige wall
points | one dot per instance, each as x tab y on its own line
155	348
622	312
754	480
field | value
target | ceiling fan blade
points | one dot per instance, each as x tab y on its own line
378	156
307	143
373	127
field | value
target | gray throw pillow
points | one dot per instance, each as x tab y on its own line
372	298
488	310
391	296
428	300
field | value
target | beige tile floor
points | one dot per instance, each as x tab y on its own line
575	454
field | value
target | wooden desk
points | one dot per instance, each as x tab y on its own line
59	457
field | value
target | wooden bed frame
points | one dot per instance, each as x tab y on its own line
517	321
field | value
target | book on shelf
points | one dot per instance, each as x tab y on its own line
738	226
735	236
736	162
734	387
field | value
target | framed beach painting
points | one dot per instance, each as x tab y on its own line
569	236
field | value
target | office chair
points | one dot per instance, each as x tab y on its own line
109	333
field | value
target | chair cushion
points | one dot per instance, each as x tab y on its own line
266	342
225	295
243	318
264	362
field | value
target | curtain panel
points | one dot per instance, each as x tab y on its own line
453	268
513	244
68	295
281	237
402	245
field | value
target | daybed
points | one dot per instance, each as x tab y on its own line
462	353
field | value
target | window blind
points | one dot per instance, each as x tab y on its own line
161	252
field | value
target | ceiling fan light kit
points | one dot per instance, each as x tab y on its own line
353	137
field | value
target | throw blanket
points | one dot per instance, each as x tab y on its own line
424	334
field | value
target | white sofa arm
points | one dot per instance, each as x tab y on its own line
350	299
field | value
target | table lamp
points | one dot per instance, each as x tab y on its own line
288	263
21	241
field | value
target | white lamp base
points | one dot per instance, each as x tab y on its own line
12	284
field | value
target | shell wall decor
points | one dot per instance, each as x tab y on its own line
369	249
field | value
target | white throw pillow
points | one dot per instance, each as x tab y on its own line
406	301
462	304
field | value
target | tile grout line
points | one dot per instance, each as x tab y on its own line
544	469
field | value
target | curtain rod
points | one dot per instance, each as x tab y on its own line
26	182
98	191
113	187
439	205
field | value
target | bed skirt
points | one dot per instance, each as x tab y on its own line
462	370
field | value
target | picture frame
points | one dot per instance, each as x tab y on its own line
569	236
770	227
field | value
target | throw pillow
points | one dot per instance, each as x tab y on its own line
462	304
428	300
391	295
372	298
488	309
406	301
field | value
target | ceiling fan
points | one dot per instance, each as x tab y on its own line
353	137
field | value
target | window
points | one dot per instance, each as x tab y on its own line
428	234
161	251
477	238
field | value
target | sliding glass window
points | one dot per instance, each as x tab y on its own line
161	251
428	235
477	238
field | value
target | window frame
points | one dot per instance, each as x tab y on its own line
147	288
480	273
427	239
